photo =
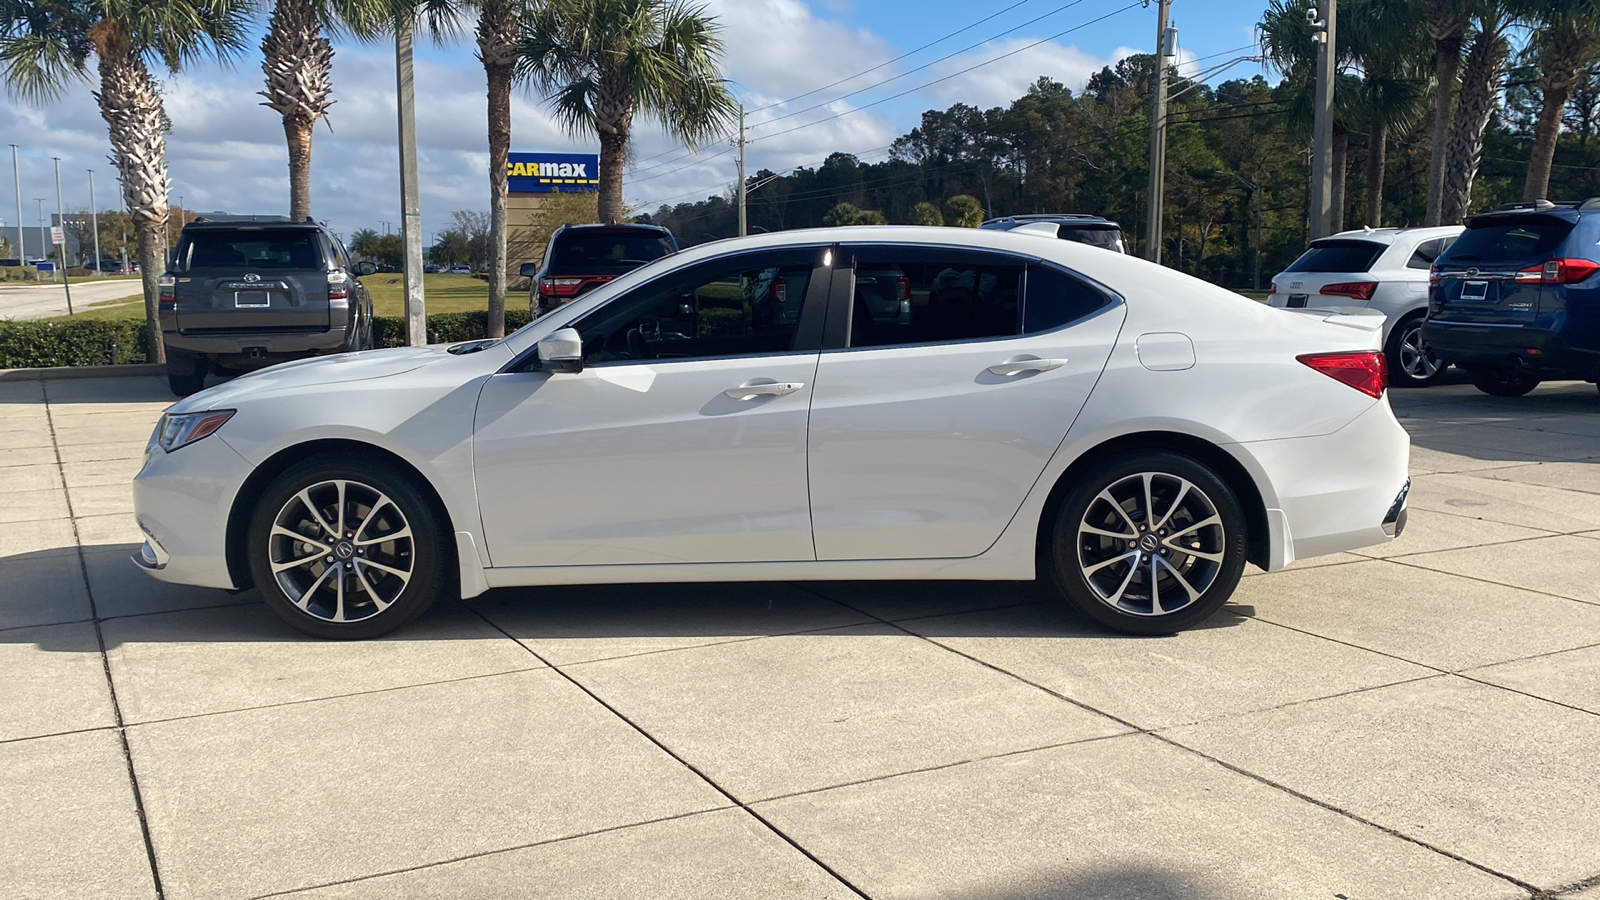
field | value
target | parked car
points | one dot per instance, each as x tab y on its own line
244	292
580	258
459	269
1515	301
1383	269
1114	426
1096	231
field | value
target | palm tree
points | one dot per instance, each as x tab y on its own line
1446	22
1286	41
364	243
1566	42
498	22
600	62
1386	40
1480	89
44	47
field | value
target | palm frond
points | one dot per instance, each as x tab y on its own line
44	47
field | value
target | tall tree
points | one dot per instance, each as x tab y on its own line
46	46
1446	21
364	243
1480	89
297	60
601	62
1565	42
497	50
1387	42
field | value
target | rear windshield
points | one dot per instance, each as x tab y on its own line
600	252
1098	236
264	249
1338	256
1504	241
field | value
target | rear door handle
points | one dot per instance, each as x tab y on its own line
767	389
1018	366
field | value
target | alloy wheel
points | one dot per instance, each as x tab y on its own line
1415	360
1151	544
341	550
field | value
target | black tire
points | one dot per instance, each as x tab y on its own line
186	372
1502	381
1084	564
376	599
1409	364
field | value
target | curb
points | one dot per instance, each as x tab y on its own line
56	373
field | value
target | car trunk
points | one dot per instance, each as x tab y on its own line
1328	263
245	281
1491	275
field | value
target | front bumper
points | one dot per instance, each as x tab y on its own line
181	502
1535	350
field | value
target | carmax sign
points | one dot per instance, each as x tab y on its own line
544	173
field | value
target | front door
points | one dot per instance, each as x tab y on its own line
931	425
683	440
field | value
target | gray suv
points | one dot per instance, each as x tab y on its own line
243	292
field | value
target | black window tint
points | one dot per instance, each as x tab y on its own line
1338	256
596	252
263	249
731	308
1505	241
1425	254
1053	298
901	302
1097	237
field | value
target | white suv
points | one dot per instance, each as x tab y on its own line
1384	269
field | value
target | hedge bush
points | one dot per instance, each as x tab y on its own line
18	273
97	342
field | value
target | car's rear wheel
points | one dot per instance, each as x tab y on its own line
341	549
186	372
1503	381
1149	544
1411	364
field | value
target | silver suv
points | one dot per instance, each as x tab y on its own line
243	292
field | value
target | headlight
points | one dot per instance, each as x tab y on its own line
181	429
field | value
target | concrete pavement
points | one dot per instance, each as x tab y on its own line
27	301
1412	721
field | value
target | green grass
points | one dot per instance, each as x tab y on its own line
444	294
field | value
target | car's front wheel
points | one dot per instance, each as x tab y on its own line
1149	544
1503	381
347	549
1411	364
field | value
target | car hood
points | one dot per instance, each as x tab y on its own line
336	369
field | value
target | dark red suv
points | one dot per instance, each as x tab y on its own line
580	258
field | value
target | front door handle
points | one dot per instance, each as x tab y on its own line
767	389
1018	366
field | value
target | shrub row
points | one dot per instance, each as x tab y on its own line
96	342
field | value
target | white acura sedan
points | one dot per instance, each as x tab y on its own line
740	412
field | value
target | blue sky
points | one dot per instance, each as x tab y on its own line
227	152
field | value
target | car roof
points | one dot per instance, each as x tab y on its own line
611	226
1392	235
1061	218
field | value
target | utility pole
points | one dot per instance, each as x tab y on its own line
743	220
42	253
94	223
1158	130
61	219
1255	280
410	203
16	180
1322	27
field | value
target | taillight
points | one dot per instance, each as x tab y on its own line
904	284
1356	290
1364	370
559	287
1433	276
1559	271
168	295
338	285
1272	288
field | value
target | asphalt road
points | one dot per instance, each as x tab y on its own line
45	300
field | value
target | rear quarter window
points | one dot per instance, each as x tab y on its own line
1338	256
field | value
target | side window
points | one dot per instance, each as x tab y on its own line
1426	253
908	298
742	307
1053	298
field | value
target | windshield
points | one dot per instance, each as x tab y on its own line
1506	241
284	248
594	252
1338	256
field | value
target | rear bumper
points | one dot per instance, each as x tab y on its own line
1535	350
266	346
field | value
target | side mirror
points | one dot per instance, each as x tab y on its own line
562	351
366	268
528	270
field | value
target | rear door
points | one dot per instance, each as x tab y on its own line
926	435
1491	275
251	278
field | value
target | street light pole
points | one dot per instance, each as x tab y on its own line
61	218
410	203
1322	129
16	180
1158	134
94	223
743	220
